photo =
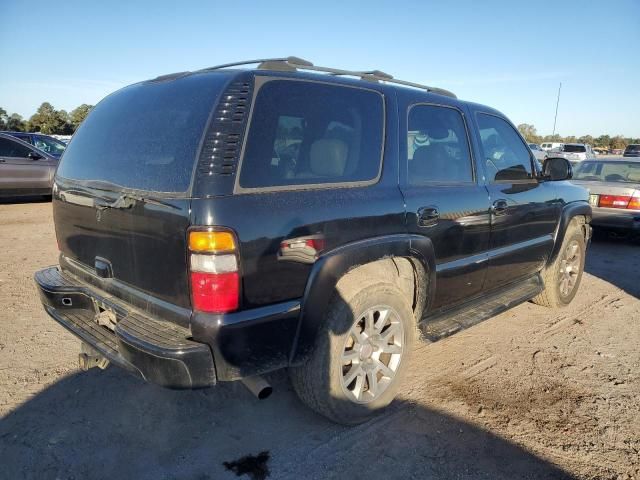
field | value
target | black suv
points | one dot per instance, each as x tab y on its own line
220	224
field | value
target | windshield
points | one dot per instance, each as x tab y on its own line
533	146
625	172
633	148
145	136
49	145
574	148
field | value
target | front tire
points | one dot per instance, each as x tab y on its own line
562	278
360	357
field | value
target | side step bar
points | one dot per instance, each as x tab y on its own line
444	324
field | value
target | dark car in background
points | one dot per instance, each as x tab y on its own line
614	192
632	150
24	169
51	146
221	224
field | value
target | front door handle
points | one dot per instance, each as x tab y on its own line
428	216
499	207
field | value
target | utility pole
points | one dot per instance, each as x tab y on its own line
557	103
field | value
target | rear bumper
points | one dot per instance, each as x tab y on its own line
616	218
160	352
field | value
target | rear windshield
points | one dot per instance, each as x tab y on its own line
625	172
633	148
309	133
574	148
145	136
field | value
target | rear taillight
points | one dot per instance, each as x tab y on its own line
620	201
213	262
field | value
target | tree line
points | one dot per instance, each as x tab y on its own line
46	120
530	134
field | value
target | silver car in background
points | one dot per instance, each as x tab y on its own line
24	170
614	192
575	152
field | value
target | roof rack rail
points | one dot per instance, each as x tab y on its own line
290	64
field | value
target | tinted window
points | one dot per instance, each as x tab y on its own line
9	148
145	136
617	171
632	148
305	133
574	148
506	156
437	146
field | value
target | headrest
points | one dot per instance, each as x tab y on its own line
438	133
328	157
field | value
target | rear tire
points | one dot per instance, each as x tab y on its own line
561	278
362	353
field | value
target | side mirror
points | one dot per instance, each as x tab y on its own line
34	156
557	168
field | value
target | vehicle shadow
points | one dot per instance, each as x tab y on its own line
25	199
611	258
111	425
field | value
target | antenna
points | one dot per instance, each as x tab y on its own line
556	117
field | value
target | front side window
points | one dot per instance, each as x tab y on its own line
506	156
437	146
304	133
9	148
49	145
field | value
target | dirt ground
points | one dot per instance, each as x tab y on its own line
532	393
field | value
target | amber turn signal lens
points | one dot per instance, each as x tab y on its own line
211	242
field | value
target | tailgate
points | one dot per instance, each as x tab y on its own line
142	247
122	190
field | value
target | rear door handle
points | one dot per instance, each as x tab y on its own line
499	207
428	216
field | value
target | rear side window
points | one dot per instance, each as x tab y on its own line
506	156
305	133
437	146
145	136
9	148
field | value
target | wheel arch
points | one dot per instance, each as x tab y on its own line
404	251
580	210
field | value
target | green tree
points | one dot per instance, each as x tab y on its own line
553	138
586	139
617	142
3	119
16	123
48	120
529	133
78	114
602	141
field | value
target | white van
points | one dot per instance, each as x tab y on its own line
551	146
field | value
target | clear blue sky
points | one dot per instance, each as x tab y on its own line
508	54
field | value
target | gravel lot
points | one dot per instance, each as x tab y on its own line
533	393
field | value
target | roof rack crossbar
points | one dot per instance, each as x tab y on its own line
294	63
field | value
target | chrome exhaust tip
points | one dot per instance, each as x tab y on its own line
257	385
